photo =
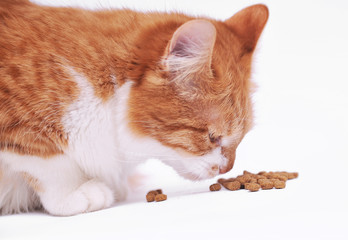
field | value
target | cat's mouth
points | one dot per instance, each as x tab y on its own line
207	173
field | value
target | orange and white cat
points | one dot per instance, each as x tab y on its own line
85	96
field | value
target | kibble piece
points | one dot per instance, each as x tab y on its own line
253	180
232	185
243	179
160	197
252	187
154	192
150	197
222	180
282	178
261	177
265	184
273	180
215	187
278	176
278	184
159	191
292	175
289	175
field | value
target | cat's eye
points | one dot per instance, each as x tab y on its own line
215	139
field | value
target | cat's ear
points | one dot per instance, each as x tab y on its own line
191	47
248	24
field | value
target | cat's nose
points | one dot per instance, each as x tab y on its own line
226	168
230	155
223	170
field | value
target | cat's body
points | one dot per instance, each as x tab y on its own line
86	96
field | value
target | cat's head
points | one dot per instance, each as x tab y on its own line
196	98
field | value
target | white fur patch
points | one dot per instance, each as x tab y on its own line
90	125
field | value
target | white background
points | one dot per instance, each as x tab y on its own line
301	125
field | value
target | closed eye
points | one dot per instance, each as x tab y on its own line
215	139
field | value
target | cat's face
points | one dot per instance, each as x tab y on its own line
196	99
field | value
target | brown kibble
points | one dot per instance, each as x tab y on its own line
154	192
253	180
289	175
160	197
261	177
273	180
232	186
278	184
252	187
265	184
215	187
292	175
283	178
159	191
222	180
262	181
243	179
150	197
278	176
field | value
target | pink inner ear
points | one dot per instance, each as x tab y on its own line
193	35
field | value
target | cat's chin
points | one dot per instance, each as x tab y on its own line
198	177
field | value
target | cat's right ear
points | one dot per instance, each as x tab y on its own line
190	49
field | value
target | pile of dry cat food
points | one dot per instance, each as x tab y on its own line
249	181
156	195
254	182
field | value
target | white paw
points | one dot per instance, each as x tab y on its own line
90	196
98	195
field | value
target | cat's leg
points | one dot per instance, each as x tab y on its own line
61	185
15	194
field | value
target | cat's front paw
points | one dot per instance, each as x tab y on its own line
97	195
90	196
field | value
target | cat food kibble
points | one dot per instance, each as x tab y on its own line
150	196
232	186
252	187
265	184
215	187
278	184
253	182
160	197
153	196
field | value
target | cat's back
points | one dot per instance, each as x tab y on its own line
41	51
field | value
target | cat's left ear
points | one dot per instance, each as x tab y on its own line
191	47
248	24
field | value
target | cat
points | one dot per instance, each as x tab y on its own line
85	96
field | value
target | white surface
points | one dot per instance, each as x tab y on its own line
301	125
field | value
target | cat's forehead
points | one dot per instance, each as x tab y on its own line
221	116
